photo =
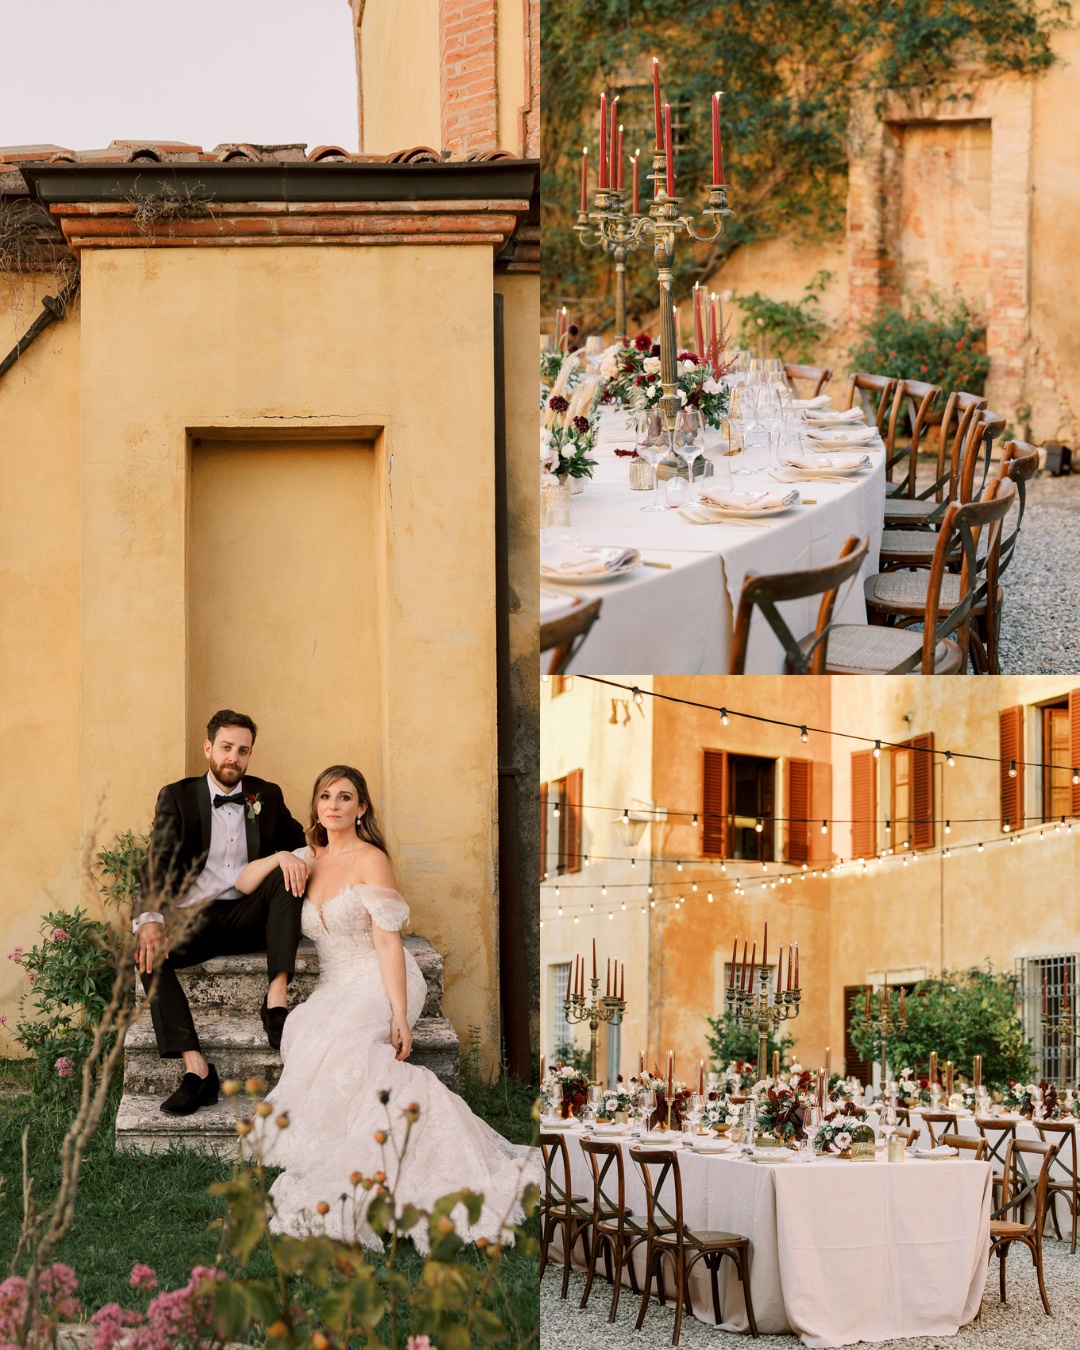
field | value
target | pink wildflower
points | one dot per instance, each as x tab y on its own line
16	955
143	1277
110	1321
60	935
64	1067
3	1018
419	1343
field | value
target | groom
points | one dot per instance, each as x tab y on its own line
206	830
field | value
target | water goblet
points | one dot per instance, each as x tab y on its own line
689	441
651	443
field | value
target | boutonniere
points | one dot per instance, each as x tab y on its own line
253	801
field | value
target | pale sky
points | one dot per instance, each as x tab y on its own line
81	73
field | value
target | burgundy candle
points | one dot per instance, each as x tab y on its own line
594	958
717	148
797	984
613	156
753	963
603	141
742	974
699	338
607	983
734	961
701	1077
765	946
636	194
789	965
669	151
621	170
656	99
779	971
622	981
585	179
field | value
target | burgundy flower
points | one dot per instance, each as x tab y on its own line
627	454
573	330
557	403
581	424
655	349
642	379
643	342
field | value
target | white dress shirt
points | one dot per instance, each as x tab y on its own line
228	854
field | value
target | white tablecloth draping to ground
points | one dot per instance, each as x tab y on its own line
840	1251
660	622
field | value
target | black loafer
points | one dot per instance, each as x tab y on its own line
192	1093
273	1020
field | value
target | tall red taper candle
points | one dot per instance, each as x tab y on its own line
717	149
637	194
670	1072
734	961
656	100
607	983
621	161
603	141
699	327
789	965
669	151
765	946
641	1061
779	972
585	179
569	977
828	1063
613	158
701	1077
742	973
594	958
622	982
797	984
753	963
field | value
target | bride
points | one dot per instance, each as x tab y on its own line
345	1049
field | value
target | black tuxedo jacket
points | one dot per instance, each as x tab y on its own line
180	839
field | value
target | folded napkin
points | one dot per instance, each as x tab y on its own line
942	1151
820	401
838	463
723	500
827	417
563	560
842	435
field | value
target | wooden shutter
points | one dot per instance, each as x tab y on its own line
863	804
543	829
1010	749
571	821
821	845
714	806
1074	745
854	1067
797	811
922	791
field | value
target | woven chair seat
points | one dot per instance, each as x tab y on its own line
855	649
705	1237
910	543
891	489
904	592
1009	1228
910	509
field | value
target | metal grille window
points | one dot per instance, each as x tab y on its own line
1048	991
558	975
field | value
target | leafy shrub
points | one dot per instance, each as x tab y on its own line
959	1014
731	1040
790	329
944	345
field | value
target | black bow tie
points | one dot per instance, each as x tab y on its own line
237	800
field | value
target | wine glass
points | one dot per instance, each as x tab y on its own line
742	414
770	418
651	442
689	441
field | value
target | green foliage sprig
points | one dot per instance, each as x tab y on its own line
942	343
793	74
959	1014
790	329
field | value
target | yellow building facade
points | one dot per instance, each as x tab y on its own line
859	912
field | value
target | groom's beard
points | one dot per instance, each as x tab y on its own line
227	776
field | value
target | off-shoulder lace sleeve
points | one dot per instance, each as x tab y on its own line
387	908
304	854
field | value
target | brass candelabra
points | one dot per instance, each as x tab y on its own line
665	221
762	1012
885	1023
594	1009
621	242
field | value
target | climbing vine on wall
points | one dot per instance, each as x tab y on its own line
791	70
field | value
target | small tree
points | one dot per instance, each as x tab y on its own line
959	1014
731	1040
790	329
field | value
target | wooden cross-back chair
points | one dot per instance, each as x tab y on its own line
1018	1187
939	1118
942	647
1065	1134
962	1144
864	388
563	636
559	1207
818	376
912	544
928	506
998	1134
766	592
668	1236
613	1225
913	399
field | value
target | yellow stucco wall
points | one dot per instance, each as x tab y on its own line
510	71
39	636
373	342
398	57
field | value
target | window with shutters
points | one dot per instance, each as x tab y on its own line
1049	986
561	824
797	811
562	1033
1057	762
751	794
863	804
911	824
1011	771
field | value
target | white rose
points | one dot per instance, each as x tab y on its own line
795	1068
682	395
611	1104
609	368
843	1139
548	480
651	365
726	295
686	366
257	807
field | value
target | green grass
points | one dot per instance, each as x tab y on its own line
156	1210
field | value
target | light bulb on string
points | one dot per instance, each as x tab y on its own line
633	862
637	696
1012	768
710	898
724	721
759	825
824	827
803	735
723	868
694	886
624	904
949	759
575	918
694	821
979	848
603	890
586	860
877	749
556	810
560	911
678	867
948	827
625	816
610	915
1075	775
1006	827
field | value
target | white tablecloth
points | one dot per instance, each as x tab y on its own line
840	1251
660	622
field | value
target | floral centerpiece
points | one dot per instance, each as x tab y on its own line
680	1101
739	1077
1052	1104
574	1086
552	362
970	1098
631	377
719	1114
833	1136
615	1100
847	1111
568	433
1019	1097
781	1112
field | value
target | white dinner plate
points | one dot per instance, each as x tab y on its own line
589	578
828	467
718	514
840	438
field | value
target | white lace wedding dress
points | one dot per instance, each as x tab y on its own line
338	1059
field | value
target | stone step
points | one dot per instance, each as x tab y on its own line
239	982
237	1046
142	1127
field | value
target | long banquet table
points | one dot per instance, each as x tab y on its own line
656	621
840	1251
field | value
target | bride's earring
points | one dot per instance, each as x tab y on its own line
359	819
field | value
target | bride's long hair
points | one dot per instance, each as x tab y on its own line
367	829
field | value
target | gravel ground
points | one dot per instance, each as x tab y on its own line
1041	619
1019	1325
